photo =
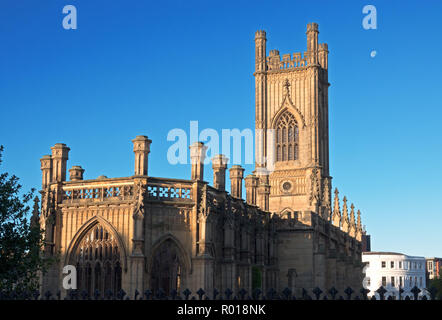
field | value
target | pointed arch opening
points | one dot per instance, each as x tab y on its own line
287	137
168	268
98	261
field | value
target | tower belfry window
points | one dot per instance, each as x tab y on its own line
287	137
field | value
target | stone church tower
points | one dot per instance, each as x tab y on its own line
292	177
292	126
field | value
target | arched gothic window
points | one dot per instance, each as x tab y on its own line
98	262
167	268
287	137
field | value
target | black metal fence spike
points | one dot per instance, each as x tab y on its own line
200	293
381	291
348	291
241	294
415	291
187	293
333	292
317	292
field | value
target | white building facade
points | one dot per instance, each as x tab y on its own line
393	271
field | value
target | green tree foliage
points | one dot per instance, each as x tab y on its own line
21	238
437	285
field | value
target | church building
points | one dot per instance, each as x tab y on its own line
145	232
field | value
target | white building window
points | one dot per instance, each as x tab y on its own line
392	264
384	281
400	264
392	282
383	264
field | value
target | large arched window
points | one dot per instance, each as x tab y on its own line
167	268
287	137
98	262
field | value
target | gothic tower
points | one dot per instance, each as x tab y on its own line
292	150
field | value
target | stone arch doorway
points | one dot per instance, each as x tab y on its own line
168	268
98	262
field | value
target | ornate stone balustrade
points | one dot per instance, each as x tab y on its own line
169	191
102	192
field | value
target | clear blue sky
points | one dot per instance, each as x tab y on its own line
145	67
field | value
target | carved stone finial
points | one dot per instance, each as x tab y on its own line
345	223
359	224
35	219
352	228
287	85
359	229
336	211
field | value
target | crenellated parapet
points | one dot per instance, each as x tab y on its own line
287	61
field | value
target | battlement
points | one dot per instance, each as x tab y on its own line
316	54
274	61
260	34
312	27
